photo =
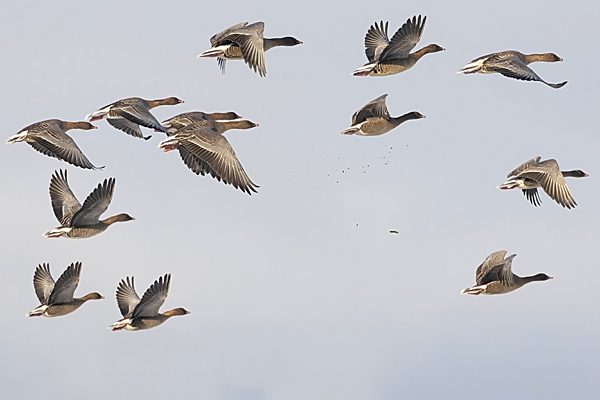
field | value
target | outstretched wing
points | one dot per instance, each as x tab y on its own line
548	175
65	286
214	150
405	39
64	202
482	276
43	283
524	166
95	204
53	142
374	108
376	40
153	298
250	41
127	298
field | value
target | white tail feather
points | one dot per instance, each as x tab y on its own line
117	326
215	51
19	137
37	311
471	67
56	232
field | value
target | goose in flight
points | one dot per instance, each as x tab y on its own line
546	174
389	57
374	119
56	298
128	114
512	64
495	276
79	221
245	42
143	314
49	137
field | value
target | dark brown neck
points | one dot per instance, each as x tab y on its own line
431	48
403	118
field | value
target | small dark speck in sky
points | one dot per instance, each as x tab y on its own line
395	232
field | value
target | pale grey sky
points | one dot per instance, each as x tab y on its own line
299	291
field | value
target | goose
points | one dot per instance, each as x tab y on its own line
545	174
179	121
243	41
512	64
389	57
143	314
79	221
49	137
56	299
495	276
374	119
205	150
128	114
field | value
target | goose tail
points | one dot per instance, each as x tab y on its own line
474	290
37	312
471	68
119	325
213	52
19	137
365	70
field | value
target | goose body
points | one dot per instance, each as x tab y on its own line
390	57
143	314
56	298
49	137
495	276
81	221
129	114
245	42
534	174
373	119
512	64
205	150
177	122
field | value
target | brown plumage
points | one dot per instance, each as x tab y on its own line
49	137
56	299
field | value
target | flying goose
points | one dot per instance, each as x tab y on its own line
495	276
512	64
49	137
389	57
143	314
79	221
56	299
205	150
128	114
243	41
374	119
545	174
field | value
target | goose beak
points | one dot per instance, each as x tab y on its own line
102	297
181	101
586	175
560	59
94	127
549	277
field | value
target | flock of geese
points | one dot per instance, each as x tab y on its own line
198	137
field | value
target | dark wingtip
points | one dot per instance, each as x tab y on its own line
147	137
558	85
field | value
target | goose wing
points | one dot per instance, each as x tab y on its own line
483	275
43	283
405	39
127	298
54	142
220	37
65	285
153	298
182	120
548	175
250	40
95	204
374	108
134	110
64	202
376	40
524	166
217	153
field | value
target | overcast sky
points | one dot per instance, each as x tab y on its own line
300	291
